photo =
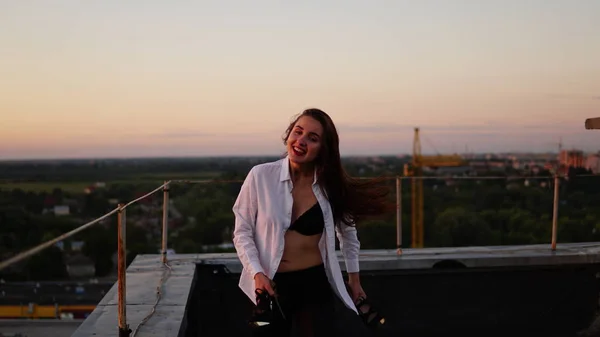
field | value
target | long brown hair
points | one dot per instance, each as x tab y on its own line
351	199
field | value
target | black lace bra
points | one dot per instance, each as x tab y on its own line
310	222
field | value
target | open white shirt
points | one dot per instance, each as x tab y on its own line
263	211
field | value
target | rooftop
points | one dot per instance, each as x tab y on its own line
171	312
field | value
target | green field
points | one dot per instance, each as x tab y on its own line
160	177
38	187
78	186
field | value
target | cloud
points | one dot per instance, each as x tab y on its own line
486	128
385	128
183	134
203	134
573	96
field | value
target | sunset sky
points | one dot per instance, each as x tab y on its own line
192	78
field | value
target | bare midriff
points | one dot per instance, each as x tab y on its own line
300	252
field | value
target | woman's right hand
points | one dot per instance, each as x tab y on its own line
261	281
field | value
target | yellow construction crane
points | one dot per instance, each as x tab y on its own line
415	170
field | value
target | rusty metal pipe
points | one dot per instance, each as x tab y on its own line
165	221
121	268
555	210
398	216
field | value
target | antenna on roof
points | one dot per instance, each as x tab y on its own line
560	144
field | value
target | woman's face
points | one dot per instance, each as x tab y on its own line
304	141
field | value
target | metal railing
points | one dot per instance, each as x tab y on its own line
165	187
121	258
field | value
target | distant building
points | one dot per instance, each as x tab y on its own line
80	266
592	163
73	203
454	170
572	158
50	201
61	210
77	246
73	246
487	166
70	246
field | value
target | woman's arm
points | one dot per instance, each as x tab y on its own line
245	210
350	246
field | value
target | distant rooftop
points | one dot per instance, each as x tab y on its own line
38	328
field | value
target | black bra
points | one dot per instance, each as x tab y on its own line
310	222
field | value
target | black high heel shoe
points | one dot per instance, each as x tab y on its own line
262	314
371	317
367	313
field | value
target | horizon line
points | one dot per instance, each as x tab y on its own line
33	159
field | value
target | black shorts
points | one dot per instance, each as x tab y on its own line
310	307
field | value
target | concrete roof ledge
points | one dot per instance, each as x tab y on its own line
170	318
143	277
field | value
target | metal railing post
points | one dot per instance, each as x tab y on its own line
398	215
121	267
555	210
165	221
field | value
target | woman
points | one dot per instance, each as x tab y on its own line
286	215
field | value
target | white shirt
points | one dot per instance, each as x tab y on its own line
263	212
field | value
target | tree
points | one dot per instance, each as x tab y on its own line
100	245
48	265
459	227
138	242
377	234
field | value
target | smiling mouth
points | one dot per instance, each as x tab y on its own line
298	151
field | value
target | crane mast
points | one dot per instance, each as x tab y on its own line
417	193
415	170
